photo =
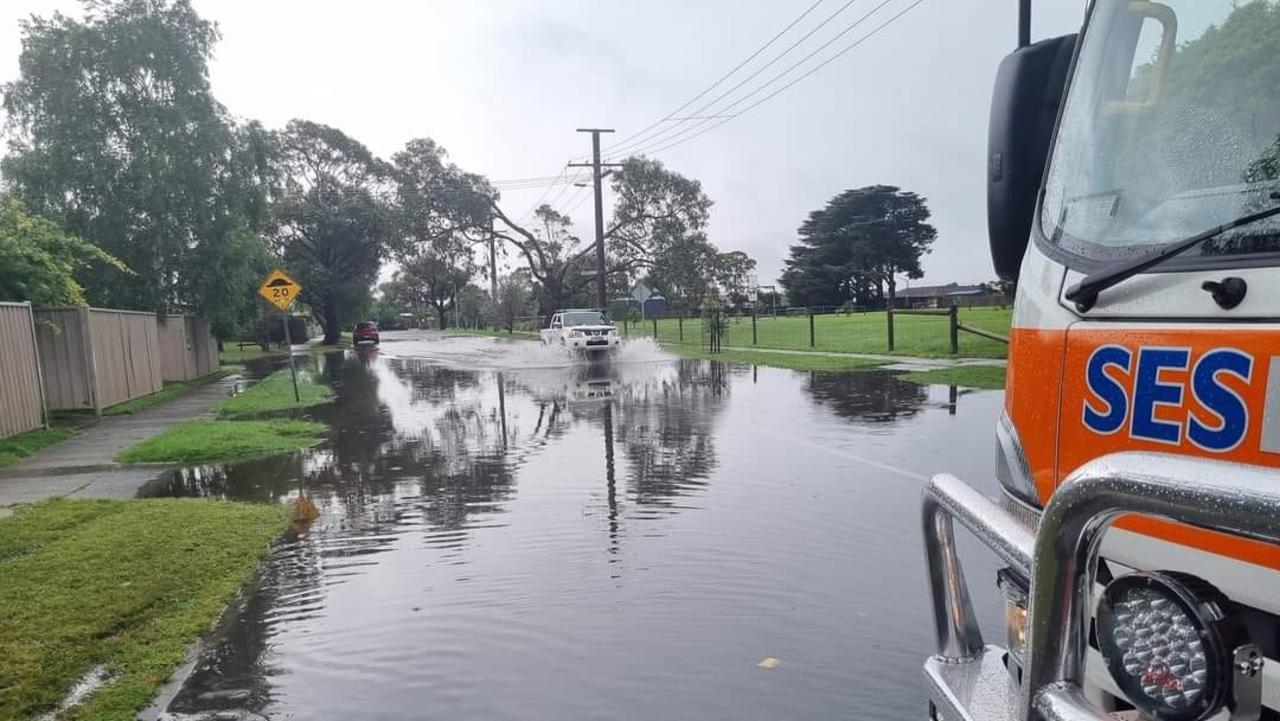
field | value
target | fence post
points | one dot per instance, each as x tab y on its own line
754	340
680	325
811	327
655	327
889	315
955	329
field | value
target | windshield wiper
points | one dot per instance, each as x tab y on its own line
1085	293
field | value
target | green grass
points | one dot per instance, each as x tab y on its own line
794	361
204	441
232	354
982	377
275	393
926	336
15	448
169	392
125	585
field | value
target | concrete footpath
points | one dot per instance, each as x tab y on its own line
84	466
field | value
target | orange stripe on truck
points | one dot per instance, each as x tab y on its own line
1081	393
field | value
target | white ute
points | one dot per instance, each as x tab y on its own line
582	331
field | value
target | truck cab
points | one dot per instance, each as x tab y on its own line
1134	194
582	331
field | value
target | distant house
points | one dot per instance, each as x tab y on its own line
941	296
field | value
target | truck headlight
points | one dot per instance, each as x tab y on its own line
1171	644
575	334
1014	588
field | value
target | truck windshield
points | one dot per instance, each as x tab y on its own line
1171	126
584	317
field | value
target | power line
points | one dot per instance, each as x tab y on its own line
721	79
673	141
630	147
726	110
534	184
524	217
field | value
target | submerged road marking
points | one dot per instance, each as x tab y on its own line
843	454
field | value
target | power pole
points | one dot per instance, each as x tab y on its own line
493	263
602	299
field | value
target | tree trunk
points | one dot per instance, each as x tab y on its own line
332	329
555	292
439	315
893	291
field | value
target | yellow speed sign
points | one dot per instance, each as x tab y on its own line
279	289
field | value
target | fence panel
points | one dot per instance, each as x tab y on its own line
21	401
126	349
177	348
187	347
66	359
205	345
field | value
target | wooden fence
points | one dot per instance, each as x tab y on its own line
92	358
21	389
187	348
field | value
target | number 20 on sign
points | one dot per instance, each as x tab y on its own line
279	289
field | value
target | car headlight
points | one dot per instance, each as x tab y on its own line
575	334
1173	647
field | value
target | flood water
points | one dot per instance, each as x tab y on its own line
505	534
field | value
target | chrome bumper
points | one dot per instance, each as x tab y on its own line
967	679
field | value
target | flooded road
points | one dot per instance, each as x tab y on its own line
507	535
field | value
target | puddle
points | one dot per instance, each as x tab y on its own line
96	678
505	533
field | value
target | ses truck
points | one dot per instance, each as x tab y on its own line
1134	194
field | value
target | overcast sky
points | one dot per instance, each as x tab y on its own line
502	84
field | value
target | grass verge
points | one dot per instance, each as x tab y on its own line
914	335
203	441
15	448
169	392
275	393
232	354
125	585
981	377
794	361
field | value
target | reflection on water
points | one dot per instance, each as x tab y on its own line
588	541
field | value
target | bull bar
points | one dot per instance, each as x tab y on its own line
967	679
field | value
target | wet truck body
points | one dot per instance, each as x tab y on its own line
1133	191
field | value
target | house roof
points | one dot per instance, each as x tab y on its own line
940	291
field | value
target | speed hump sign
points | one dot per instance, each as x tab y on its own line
279	289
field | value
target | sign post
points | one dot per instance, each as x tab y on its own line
280	290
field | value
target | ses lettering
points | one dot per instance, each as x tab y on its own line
1218	425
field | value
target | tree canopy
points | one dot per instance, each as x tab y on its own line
658	229
333	221
854	247
39	262
115	135
120	157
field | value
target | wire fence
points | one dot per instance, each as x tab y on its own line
968	332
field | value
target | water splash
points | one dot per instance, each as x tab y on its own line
488	353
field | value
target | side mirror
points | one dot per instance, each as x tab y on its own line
1029	90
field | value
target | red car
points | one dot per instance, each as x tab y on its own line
364	332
